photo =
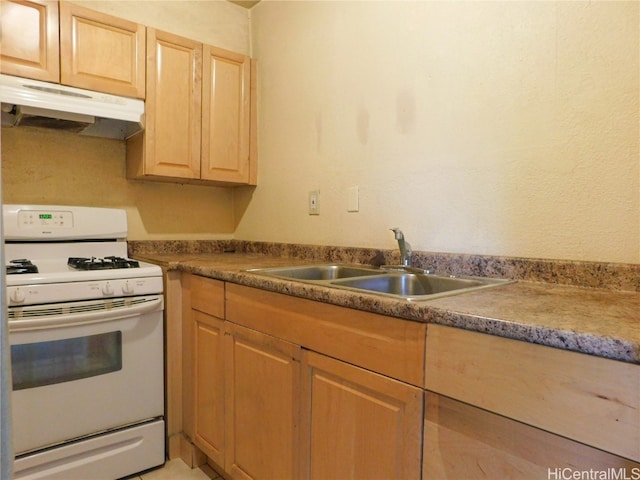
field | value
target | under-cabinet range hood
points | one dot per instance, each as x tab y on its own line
27	102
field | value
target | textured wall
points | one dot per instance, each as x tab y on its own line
507	128
47	167
216	22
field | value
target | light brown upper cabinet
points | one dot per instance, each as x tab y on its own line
200	115
169	147
74	46
100	52
226	113
30	46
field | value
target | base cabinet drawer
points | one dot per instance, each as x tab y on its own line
466	442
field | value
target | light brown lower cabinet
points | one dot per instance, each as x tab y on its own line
262	405
278	387
465	442
209	385
591	400
203	364
241	389
361	425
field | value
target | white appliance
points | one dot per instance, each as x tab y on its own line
43	104
86	343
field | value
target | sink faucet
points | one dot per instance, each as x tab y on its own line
405	248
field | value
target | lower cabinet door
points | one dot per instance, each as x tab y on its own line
362	425
209	385
262	405
462	441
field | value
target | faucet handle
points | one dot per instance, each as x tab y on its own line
398	233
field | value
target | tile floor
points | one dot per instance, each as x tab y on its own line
178	470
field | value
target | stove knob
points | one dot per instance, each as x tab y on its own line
17	296
127	288
107	289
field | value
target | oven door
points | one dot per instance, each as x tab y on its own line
85	367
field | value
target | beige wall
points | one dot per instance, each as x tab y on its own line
42	166
216	22
504	127
49	167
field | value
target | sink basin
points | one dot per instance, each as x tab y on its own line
409	284
397	284
318	272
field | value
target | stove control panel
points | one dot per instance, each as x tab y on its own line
45	219
31	223
67	292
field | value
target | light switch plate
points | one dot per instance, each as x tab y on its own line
314	202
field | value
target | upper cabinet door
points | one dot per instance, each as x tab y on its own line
30	45
226	116
173	106
100	52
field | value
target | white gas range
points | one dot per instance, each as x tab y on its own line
86	335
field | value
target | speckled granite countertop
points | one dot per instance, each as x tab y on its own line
600	322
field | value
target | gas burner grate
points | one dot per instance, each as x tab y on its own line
106	263
21	266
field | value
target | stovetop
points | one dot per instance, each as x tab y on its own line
25	266
90	262
107	263
56	281
67	253
58	270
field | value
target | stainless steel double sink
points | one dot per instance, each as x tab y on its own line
402	283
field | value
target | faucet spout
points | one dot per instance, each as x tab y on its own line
404	246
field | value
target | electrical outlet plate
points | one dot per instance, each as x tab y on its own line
314	202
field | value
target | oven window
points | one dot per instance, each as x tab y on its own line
45	363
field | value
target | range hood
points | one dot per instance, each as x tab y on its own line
27	102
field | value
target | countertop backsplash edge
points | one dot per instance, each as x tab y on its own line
610	276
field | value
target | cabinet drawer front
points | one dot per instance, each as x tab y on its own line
588	399
207	295
386	345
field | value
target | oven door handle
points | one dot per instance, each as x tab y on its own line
82	313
